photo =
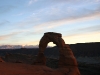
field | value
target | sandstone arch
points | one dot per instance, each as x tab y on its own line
67	60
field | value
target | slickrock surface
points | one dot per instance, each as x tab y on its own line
26	69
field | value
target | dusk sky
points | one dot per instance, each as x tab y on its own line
23	22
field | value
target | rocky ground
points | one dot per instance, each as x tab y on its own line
26	69
22	63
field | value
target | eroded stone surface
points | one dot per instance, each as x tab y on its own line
67	61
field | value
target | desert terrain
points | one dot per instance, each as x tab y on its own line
19	62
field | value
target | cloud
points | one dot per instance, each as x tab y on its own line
66	21
33	42
57	15
18	14
57	12
3	37
64	0
6	8
32	1
74	38
90	29
4	22
82	38
83	30
76	1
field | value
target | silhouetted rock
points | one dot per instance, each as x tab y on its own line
86	49
67	62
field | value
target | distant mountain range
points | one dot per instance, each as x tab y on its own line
17	46
86	49
79	50
36	46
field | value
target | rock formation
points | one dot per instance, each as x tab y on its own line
1	60
67	61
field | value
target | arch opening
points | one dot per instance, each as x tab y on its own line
51	44
52	52
52	56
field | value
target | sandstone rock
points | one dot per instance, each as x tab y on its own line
1	60
67	61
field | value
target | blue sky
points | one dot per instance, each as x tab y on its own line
23	22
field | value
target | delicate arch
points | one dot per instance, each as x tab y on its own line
66	57
67	60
